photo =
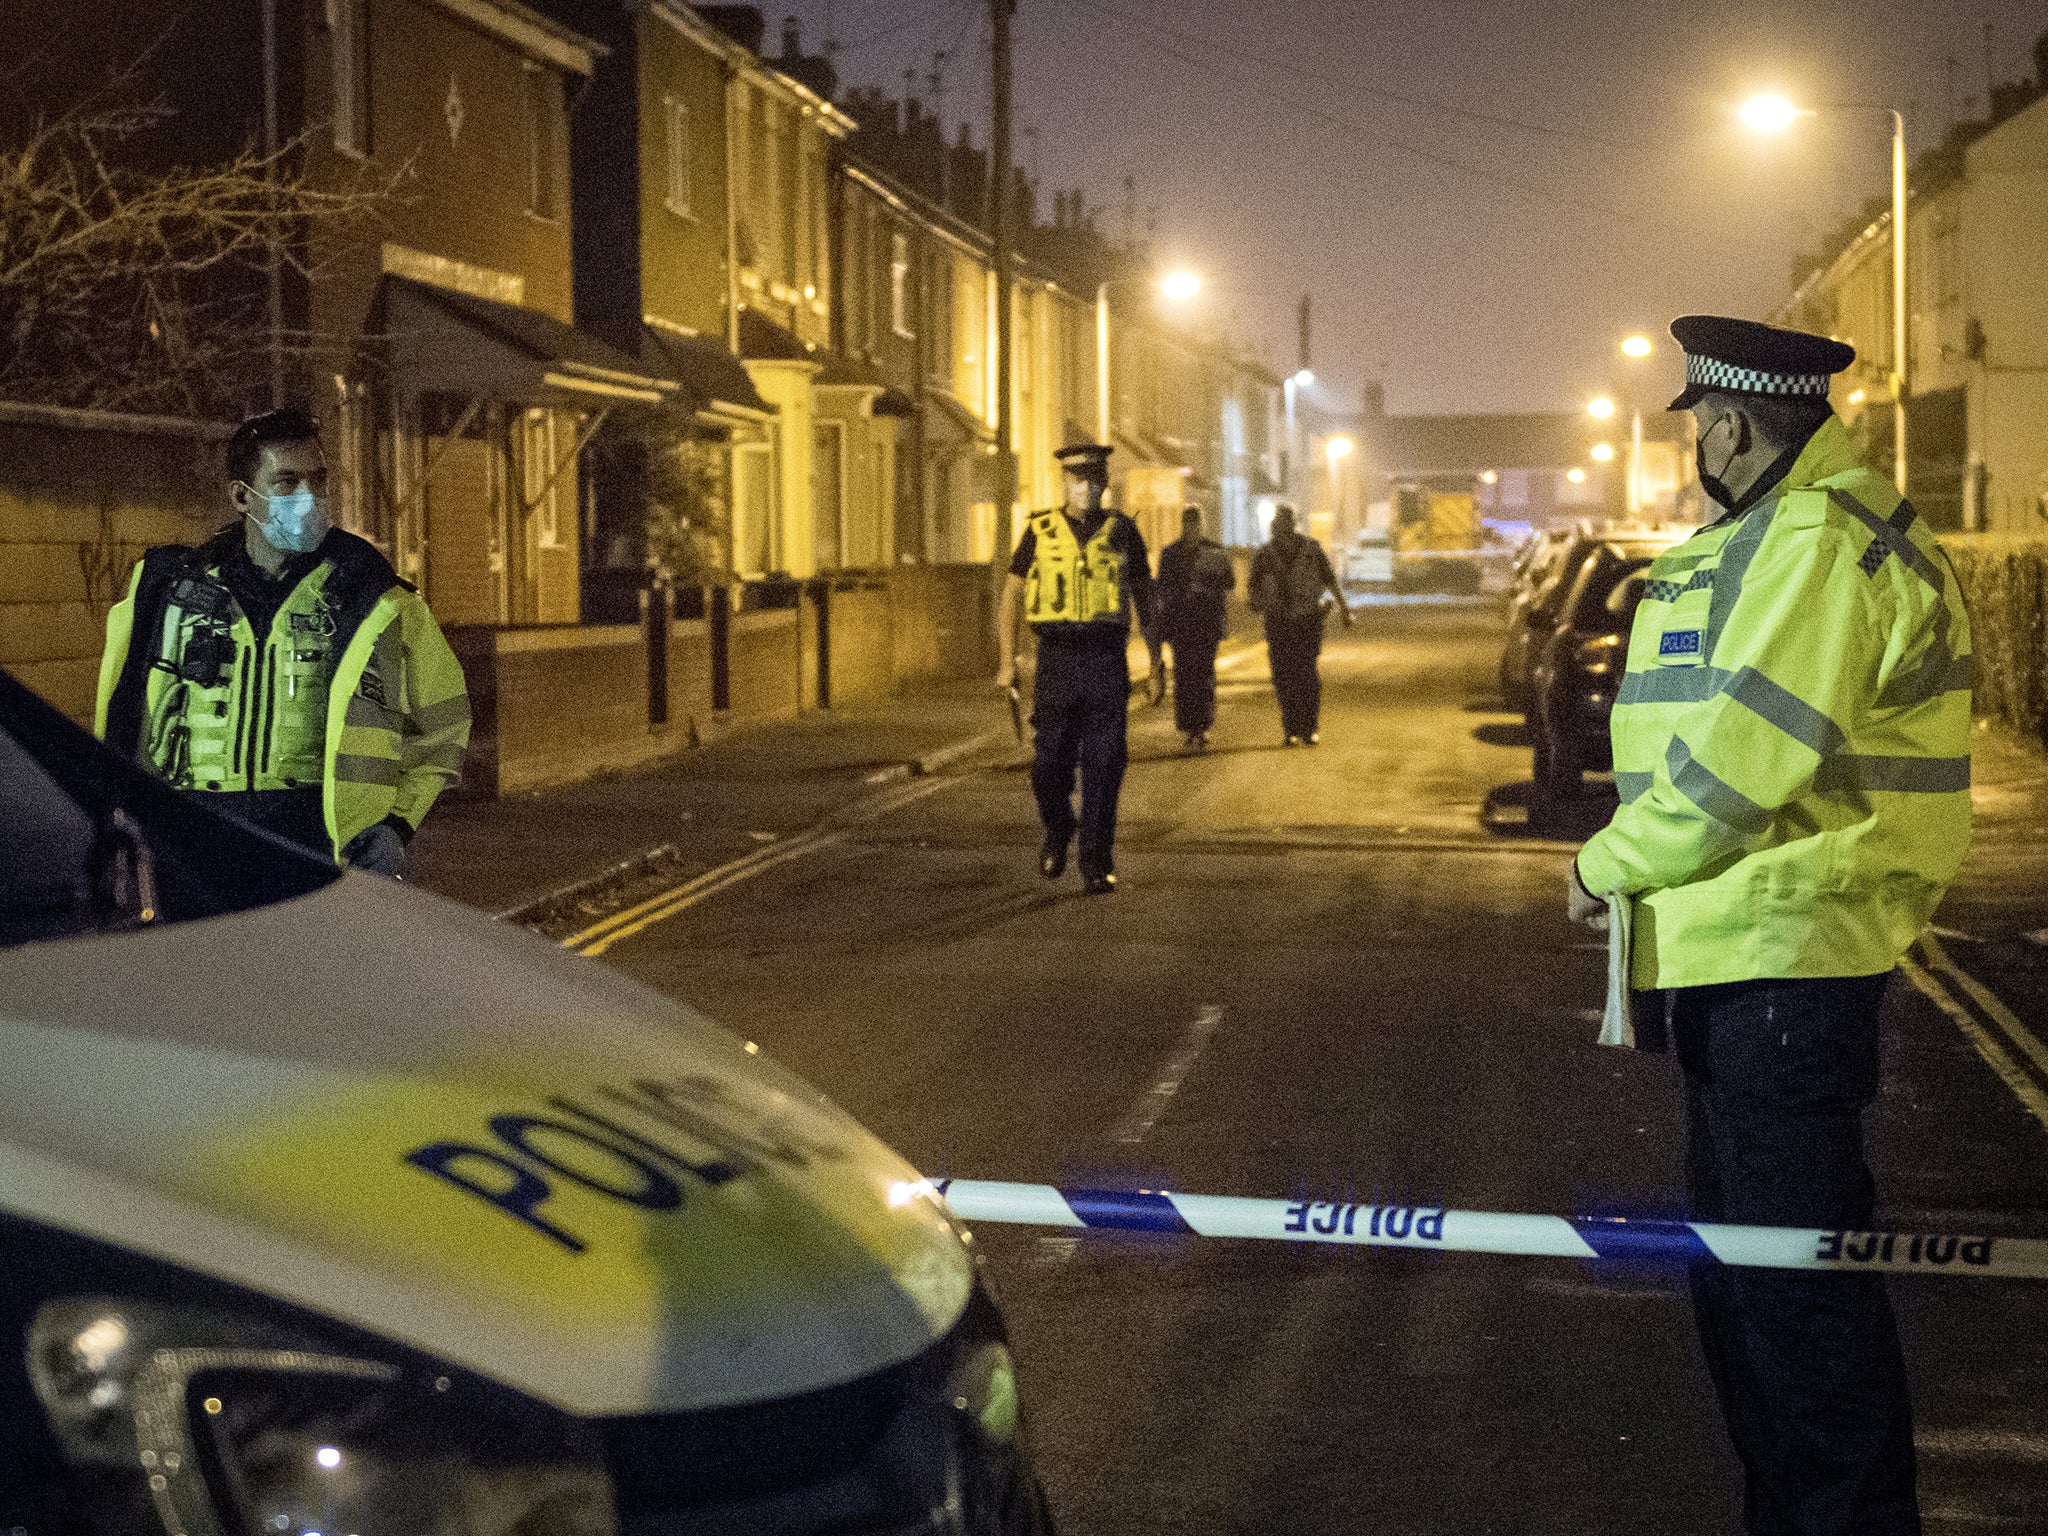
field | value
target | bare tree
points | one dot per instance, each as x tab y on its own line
126	290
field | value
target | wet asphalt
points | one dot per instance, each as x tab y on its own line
1352	961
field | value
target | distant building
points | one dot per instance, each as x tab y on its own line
1977	321
1533	468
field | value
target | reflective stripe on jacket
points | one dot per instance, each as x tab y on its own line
362	693
1071	583
1792	737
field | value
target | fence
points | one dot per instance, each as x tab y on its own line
2005	583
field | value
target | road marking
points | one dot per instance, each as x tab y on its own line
607	931
1153	1103
2009	1445
2009	1071
2001	1015
1239	658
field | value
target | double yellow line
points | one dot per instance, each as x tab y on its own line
2002	1042
623	924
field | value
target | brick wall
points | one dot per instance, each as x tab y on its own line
81	496
942	620
763	665
556	704
863	641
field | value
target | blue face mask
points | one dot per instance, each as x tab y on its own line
296	521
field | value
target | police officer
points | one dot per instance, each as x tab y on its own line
1791	743
1290	576
1195	581
1081	571
281	671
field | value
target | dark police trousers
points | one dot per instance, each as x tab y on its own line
1194	679
1807	1365
1292	648
1079	711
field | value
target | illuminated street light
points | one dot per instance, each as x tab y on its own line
1576	476
1600	409
1774	114
1180	286
1488	477
1636	346
1337	448
1303	378
1770	114
1603	453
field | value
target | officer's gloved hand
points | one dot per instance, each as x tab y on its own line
378	849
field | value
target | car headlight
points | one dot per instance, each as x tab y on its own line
1598	657
231	1425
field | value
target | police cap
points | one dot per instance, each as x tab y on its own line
1725	356
1086	459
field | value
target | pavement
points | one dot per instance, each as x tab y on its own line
1331	971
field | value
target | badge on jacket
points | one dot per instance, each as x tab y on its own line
1678	646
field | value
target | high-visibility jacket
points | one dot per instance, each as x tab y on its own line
1073	583
1792	737
353	690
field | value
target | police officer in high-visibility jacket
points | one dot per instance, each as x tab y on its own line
1791	744
281	671
1081	571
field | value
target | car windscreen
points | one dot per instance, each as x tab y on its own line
1604	575
91	842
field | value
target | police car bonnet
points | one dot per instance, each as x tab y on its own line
375	1104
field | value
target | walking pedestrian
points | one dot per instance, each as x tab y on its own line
1791	743
1290	577
281	671
1081	571
1195	580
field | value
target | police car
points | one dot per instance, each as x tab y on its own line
329	1208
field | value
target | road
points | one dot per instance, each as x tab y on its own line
1344	970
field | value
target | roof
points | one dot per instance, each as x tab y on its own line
529	31
854	373
764	340
970	426
456	343
709	374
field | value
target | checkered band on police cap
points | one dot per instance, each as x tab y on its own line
1712	373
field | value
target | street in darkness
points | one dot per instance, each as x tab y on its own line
1342	972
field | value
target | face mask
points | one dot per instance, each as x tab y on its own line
1711	483
297	521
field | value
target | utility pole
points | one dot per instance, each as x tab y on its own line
1303	319
1003	207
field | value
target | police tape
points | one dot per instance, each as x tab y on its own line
1438	1228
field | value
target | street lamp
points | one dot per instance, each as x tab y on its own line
1603	453
1774	114
1179	285
1600	408
1637	348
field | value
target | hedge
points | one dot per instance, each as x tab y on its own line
2005	583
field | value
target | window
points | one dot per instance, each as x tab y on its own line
1948	265
348	27
543	114
676	120
753	521
899	283
541	483
828	494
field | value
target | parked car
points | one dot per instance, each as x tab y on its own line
1580	665
1532	604
328	1205
1536	607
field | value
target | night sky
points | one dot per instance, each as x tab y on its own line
1558	175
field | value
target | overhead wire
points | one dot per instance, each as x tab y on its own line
1544	200
1295	71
